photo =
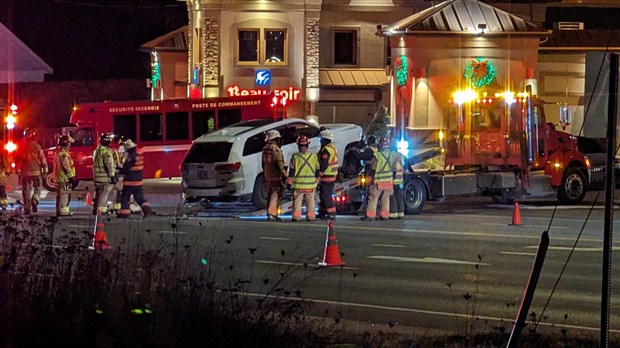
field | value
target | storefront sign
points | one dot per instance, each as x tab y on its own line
262	78
291	94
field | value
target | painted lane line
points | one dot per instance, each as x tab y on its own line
436	232
273	238
426	260
565	248
421	311
526	225
517	253
267	262
171	232
389	245
551	207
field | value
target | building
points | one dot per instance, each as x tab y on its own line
325	56
18	63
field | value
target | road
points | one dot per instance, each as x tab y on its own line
459	263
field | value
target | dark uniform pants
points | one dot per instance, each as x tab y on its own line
102	192
397	203
326	204
138	196
63	198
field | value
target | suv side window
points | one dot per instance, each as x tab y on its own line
306	129
288	134
254	144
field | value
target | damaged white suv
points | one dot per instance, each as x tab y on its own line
226	164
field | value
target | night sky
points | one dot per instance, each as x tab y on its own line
92	39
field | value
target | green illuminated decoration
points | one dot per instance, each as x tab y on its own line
401	70
155	74
479	72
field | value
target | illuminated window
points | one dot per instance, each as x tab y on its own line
248	45
275	46
345	46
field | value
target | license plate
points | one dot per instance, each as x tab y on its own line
203	175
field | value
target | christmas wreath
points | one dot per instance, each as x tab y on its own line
479	72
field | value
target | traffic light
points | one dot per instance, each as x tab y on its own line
11	118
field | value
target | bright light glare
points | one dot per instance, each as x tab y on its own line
509	97
441	135
466	96
10	147
13	107
403	147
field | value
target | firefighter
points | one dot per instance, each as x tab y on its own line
365	155
381	174
132	182
32	165
64	173
397	199
120	155
274	173
5	171
104	172
328	171
303	176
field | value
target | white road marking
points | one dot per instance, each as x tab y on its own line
274	238
422	311
566	248
517	253
426	260
77	226
526	225
297	264
551	207
390	245
436	232
171	232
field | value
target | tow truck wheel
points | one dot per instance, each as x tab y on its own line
259	194
50	182
573	187
415	195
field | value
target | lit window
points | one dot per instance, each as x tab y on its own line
275	46
345	47
248	46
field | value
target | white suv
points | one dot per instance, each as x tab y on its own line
227	163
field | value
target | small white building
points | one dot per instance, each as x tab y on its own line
18	63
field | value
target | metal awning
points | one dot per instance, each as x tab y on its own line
363	78
18	58
462	17
173	41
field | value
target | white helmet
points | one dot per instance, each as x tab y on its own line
273	134
128	144
327	135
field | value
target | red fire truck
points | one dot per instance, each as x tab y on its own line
164	130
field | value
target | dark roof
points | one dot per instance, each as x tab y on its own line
462	17
586	40
173	41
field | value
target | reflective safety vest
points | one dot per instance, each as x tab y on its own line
398	162
305	165
103	164
134	166
383	169
63	166
332	162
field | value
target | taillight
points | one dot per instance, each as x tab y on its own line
228	168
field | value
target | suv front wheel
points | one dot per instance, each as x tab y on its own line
259	194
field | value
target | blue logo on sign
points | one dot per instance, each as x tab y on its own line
263	78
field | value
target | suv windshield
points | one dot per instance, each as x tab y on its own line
208	153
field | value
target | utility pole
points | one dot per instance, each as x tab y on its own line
609	199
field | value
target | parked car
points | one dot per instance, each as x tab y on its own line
226	164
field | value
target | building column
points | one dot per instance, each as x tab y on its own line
312	63
203	54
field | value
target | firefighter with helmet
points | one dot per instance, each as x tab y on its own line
32	166
328	171
104	172
64	174
132	182
120	156
303	177
274	173
381	174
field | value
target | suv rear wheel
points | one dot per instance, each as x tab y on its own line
259	194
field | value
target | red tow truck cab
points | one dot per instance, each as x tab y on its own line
164	130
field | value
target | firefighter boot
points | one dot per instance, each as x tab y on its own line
35	205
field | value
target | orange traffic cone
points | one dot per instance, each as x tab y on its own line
88	200
516	215
331	255
100	239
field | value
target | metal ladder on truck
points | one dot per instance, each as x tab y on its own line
286	206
